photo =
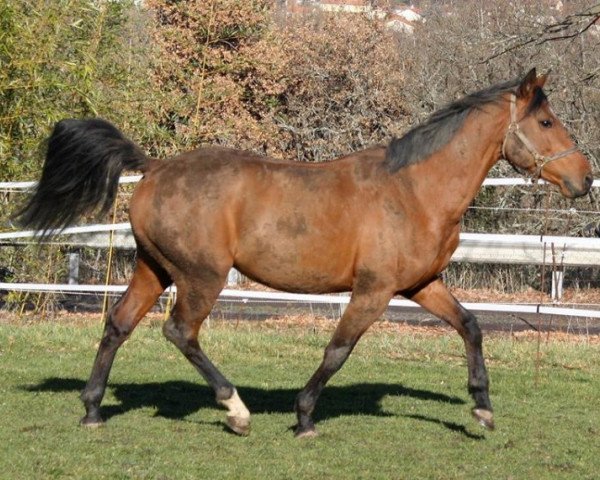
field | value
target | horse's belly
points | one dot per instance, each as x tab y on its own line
294	268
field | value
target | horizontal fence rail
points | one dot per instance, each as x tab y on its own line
24	186
528	249
342	299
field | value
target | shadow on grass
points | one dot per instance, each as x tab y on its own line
178	399
455	427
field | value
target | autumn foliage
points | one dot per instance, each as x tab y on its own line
306	88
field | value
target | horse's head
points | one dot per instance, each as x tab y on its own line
537	142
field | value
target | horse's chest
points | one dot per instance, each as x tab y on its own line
445	249
428	256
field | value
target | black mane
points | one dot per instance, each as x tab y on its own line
425	139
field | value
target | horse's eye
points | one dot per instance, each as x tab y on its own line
546	123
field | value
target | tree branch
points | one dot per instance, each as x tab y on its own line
570	27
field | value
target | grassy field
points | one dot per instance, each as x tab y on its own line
397	410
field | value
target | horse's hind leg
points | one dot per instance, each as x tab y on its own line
195	299
147	284
436	298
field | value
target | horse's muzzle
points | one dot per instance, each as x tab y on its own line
574	192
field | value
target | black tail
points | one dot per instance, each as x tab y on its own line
84	160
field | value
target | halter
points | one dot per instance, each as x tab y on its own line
539	160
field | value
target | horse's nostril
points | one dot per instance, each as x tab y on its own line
589	180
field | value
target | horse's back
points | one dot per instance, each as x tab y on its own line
219	178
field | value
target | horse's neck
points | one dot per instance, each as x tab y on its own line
451	177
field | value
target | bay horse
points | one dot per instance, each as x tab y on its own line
379	222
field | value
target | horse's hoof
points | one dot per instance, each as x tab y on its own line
239	425
306	433
91	422
484	417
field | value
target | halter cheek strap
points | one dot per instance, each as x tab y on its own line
539	160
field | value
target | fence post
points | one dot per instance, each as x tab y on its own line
73	268
557	284
234	278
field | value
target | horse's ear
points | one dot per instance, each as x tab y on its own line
541	80
529	84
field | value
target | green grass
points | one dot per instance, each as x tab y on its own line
397	410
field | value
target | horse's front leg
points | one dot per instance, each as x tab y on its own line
364	308
436	298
